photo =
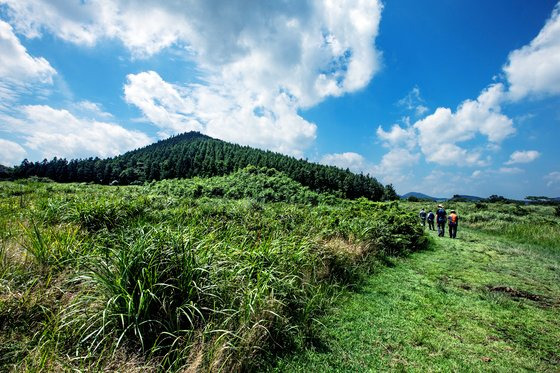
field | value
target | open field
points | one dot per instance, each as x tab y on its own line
178	274
252	271
487	301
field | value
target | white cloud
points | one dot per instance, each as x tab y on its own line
11	153
439	133
53	132
413	101
476	174
398	136
510	170
16	63
260	63
353	161
535	68
451	154
92	109
232	116
19	71
395	166
523	156
553	178
163	104
421	110
439	183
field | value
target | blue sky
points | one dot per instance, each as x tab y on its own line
456	97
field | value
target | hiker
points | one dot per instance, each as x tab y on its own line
441	216
423	217
453	220
431	217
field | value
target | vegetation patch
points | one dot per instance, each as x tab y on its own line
223	273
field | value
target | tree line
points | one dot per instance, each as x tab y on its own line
193	154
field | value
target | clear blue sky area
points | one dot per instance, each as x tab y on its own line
443	98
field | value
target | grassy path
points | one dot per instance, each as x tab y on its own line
477	303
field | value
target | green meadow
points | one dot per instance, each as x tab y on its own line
255	272
486	301
218	274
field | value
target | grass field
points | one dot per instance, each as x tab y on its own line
487	301
254	272
178	274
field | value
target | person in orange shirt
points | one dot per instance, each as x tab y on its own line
453	222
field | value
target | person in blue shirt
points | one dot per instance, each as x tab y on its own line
431	217
441	219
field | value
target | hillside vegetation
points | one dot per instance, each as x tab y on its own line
214	274
192	154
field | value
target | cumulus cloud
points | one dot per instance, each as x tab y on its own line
168	106
11	153
259	64
19	71
353	161
444	184
57	132
16	63
398	136
532	70
439	133
523	156
535	68
396	165
230	115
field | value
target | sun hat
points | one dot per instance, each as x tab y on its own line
439	205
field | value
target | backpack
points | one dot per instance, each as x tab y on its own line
440	215
453	219
431	216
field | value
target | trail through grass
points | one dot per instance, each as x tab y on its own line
478	303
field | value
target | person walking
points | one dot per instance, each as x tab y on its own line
431	218
441	217
423	216
453	222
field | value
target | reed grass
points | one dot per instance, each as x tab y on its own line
177	274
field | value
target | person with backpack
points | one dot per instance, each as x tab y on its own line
441	217
431	217
453	220
423	216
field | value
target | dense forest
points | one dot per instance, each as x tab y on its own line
193	154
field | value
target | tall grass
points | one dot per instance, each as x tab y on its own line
179	274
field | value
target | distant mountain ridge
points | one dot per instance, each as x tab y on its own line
193	154
422	196
464	197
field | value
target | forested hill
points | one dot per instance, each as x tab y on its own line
193	154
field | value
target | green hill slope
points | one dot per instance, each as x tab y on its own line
193	154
